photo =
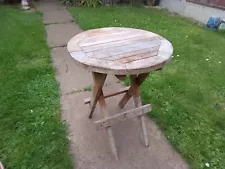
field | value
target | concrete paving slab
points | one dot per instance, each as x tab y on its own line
91	146
60	34
48	6
58	16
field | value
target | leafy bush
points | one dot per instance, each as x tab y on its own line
90	3
94	3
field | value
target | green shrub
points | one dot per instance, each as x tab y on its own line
90	3
95	3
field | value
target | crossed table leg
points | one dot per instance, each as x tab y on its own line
107	122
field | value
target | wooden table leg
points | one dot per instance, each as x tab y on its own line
140	79
105	114
134	90
99	80
137	101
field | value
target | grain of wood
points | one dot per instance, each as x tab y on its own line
122	42
105	114
120	51
111	94
99	80
132	90
136	81
122	116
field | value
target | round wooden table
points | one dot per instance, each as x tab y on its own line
121	52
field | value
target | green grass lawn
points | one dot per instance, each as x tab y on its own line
188	95
31	133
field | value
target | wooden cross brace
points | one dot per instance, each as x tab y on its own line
107	122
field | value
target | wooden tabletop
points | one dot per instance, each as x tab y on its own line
120	51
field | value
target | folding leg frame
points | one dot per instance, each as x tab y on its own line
107	122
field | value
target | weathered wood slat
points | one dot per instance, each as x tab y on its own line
118	58
137	57
116	36
120	91
109	121
73	44
120	51
80	56
122	42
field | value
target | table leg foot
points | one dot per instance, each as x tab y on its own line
112	143
105	114
144	131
